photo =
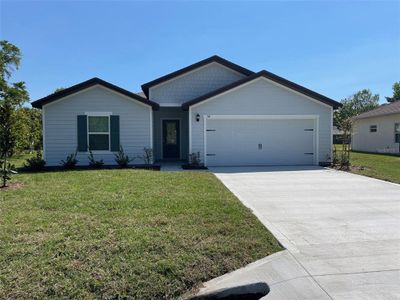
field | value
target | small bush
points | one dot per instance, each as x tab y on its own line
344	160
147	156
35	163
194	159
341	158
70	162
6	171
95	164
121	158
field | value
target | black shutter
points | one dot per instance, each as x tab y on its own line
82	133
114	131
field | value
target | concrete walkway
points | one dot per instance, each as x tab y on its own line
341	232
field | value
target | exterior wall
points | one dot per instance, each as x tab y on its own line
193	84
170	113
60	124
262	97
380	141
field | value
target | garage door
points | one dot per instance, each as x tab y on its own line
244	142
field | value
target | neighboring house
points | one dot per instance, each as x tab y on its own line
337	135
378	130
230	115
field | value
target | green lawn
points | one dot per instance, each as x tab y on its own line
122	233
381	166
18	160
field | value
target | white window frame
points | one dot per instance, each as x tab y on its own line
99	114
370	128
396	131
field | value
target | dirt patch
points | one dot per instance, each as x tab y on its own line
358	168
12	186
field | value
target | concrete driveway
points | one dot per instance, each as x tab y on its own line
343	229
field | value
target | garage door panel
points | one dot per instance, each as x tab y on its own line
259	142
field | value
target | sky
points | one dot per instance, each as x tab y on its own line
335	48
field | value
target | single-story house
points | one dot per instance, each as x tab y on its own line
228	114
377	130
337	135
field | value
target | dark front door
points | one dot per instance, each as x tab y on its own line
171	143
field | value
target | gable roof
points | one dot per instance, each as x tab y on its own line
214	58
270	76
383	110
86	84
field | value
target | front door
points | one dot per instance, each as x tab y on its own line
171	143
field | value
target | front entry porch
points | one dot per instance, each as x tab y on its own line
170	134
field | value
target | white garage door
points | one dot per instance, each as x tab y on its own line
245	142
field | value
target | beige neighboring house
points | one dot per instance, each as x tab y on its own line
378	130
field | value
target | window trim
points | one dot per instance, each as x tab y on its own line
370	128
96	114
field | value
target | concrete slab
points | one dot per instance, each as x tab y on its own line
284	275
342	229
366	285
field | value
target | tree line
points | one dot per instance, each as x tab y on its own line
20	126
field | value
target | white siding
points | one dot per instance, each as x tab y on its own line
262	97
380	141
60	119
193	84
246	142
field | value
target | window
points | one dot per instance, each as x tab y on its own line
373	128
99	133
397	132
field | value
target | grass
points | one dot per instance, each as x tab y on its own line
19	159
122	233
381	166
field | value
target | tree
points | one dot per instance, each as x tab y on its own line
354	105
10	57
358	103
396	93
28	129
58	90
12	96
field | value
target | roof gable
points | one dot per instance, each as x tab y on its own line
268	75
87	84
215	58
383	110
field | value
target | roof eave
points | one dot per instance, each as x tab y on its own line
87	84
356	118
270	76
215	58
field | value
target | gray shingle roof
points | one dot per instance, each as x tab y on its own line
385	109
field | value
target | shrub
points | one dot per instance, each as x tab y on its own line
147	156
344	159
121	158
70	162
341	158
35	163
6	171
194	159
95	164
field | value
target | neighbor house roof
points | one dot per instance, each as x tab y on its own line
215	58
86	84
383	110
270	76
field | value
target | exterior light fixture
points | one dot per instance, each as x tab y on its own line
198	118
